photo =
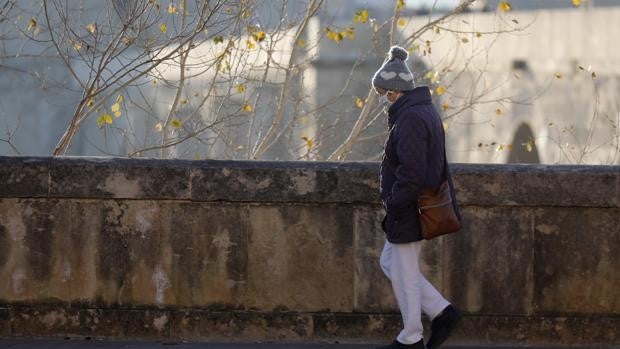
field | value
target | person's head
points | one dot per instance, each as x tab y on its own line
394	77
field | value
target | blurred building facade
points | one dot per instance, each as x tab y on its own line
549	92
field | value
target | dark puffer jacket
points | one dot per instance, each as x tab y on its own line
413	160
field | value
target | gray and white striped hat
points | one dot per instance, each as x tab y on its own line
394	74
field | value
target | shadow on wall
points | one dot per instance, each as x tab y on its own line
524	149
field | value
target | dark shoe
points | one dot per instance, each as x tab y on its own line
398	345
443	325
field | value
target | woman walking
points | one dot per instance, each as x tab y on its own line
414	159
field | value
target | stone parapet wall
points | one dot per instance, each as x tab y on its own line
289	251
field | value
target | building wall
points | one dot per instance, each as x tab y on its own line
519	64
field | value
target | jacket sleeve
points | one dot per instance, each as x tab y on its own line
412	151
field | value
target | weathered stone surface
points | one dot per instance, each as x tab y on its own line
531	330
5	322
204	255
32	228
250	326
90	177
129	249
23	177
195	324
537	185
300	257
262	181
66	321
355	325
576	264
295	246
372	289
488	265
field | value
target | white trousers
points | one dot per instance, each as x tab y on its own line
414	294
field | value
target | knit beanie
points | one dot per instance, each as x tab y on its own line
394	75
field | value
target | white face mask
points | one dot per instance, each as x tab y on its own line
383	100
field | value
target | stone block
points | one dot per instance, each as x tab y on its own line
129	250
246	326
576	261
119	178
537	185
5	322
373	292
263	181
204	255
488	265
72	322
300	257
24	177
31	231
375	327
527	331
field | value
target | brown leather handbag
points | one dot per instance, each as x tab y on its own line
437	216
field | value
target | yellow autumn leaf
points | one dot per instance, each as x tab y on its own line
440	90
361	16
159	127
90	103
250	44
576	3
116	109
92	28
333	35
359	102
32	23
505	6
431	76
445	126
445	106
163	27
247	108
402	22
172	9
104	118
218	39
301	43
119	99
176	123
309	142
77	45
348	33
240	88
259	36
400	4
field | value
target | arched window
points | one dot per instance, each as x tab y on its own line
524	149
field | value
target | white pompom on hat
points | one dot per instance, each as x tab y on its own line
394	74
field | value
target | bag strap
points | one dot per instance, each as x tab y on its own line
445	156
